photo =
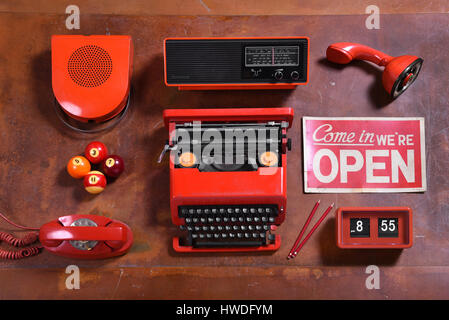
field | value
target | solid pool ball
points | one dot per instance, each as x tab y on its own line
78	167
94	182
113	166
96	152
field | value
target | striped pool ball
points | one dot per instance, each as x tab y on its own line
94	182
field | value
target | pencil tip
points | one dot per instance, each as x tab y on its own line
318	201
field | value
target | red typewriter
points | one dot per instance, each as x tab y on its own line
228	177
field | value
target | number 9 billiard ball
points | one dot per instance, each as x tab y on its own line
78	167
113	166
96	152
94	182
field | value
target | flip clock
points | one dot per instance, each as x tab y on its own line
228	177
236	63
374	227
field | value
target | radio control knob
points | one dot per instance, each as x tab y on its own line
256	72
294	75
278	75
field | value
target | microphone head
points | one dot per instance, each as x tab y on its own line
400	73
337	54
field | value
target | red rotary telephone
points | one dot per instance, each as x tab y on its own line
400	72
74	236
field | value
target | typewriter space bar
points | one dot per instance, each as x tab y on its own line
253	243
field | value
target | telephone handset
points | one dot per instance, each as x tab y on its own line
74	236
86	237
399	73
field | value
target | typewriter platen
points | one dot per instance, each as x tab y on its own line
228	177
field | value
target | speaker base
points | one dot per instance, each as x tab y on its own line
91	126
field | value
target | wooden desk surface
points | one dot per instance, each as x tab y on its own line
35	147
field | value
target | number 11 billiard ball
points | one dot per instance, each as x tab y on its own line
113	166
94	182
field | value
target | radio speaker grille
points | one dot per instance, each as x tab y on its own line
90	66
203	61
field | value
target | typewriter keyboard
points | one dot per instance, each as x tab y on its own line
228	226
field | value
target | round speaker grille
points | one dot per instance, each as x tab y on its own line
90	66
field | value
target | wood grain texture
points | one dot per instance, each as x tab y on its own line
228	7
35	147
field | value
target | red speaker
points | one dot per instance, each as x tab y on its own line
91	75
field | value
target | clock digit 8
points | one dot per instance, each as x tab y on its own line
374	227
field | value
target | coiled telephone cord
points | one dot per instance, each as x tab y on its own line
28	239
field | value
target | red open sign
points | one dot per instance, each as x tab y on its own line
364	154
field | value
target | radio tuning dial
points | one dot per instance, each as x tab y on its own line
278	75
256	72
294	75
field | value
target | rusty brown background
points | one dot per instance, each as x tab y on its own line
35	147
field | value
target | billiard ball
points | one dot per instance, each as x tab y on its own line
78	167
96	152
113	166
94	182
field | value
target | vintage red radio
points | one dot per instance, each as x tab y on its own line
374	227
236	63
228	177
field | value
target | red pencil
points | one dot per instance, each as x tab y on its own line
304	227
311	231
